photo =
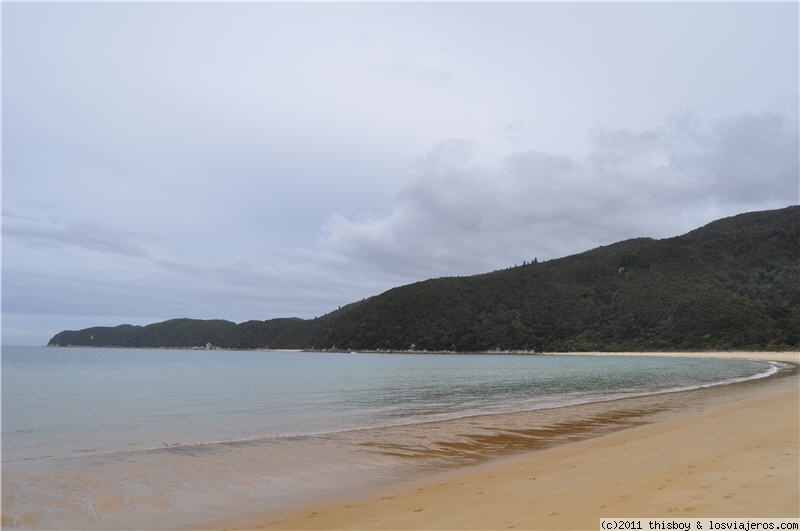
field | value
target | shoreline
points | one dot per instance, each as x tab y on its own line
497	490
677	353
787	356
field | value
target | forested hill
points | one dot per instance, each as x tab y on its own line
732	284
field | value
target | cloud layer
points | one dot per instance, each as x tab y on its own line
250	161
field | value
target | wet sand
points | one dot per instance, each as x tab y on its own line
730	451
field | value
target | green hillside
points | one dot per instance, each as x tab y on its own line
732	284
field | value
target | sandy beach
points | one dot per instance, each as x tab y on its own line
734	453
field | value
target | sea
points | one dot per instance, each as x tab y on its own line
159	439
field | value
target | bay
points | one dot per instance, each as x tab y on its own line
124	438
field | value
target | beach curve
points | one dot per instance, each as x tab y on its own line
737	456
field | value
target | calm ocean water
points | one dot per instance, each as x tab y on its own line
117	438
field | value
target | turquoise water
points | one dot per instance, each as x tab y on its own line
144	428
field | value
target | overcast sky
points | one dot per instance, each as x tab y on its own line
253	161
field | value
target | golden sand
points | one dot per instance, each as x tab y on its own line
737	456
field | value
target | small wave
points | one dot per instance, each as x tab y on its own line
774	367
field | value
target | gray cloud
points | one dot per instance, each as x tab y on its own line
52	234
458	217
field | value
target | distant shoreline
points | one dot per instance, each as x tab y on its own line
790	354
